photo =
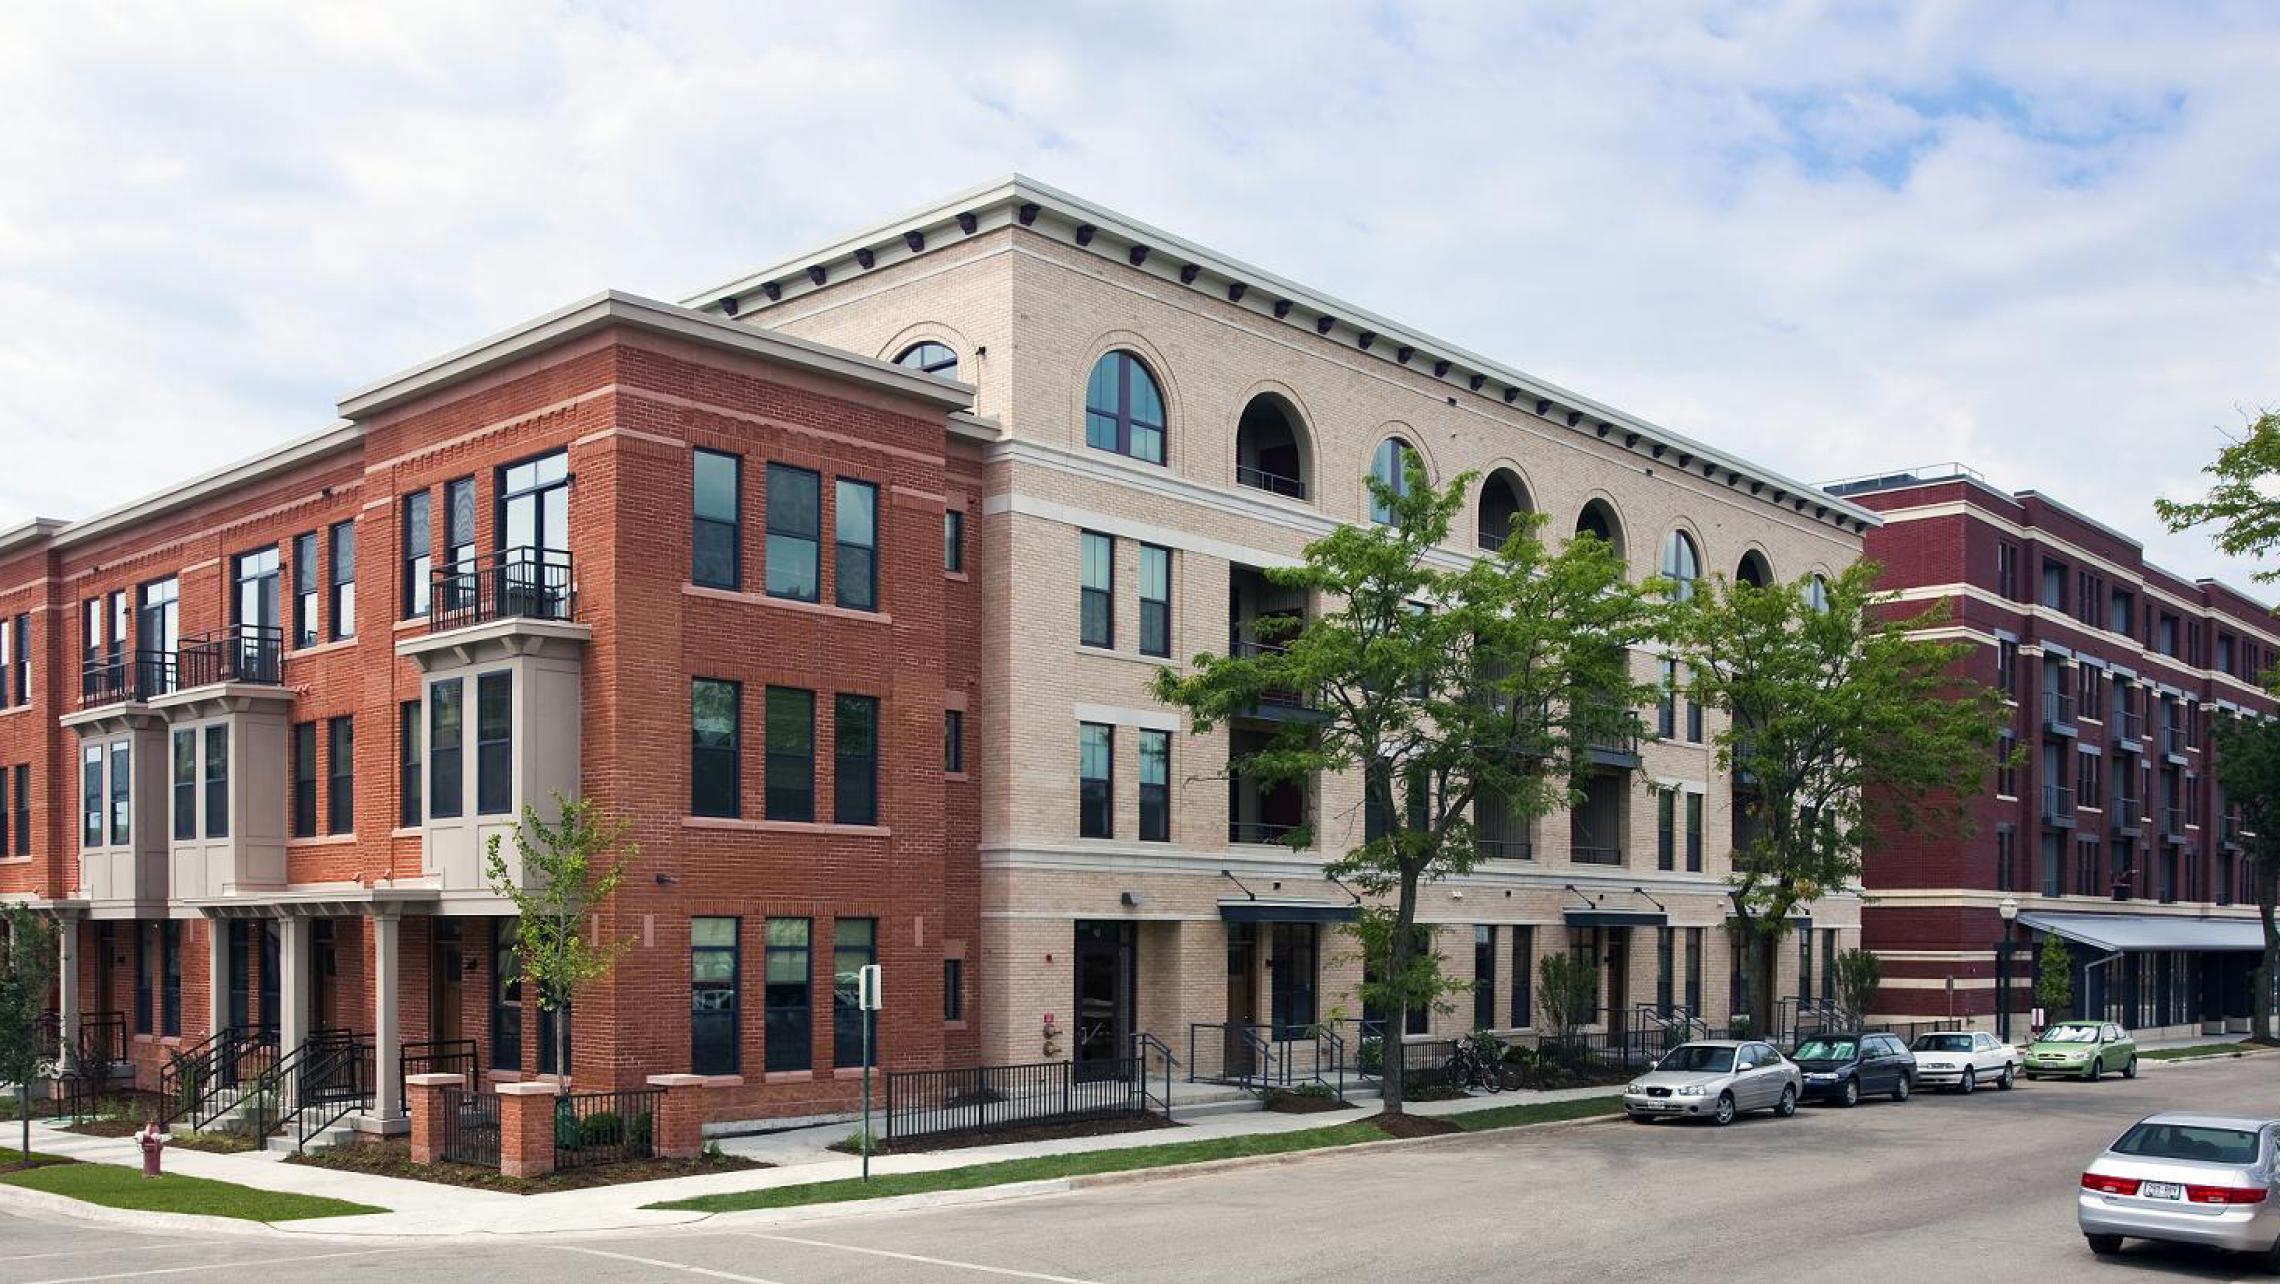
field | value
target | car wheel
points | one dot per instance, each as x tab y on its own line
2004	1079
2097	1071
1726	1111
1787	1106
2104	1245
1849	1095
1900	1088
2130	1071
2272	1259
1970	1083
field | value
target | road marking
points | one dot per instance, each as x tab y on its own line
665	1265
924	1261
216	1266
85	1252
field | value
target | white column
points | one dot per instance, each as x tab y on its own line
293	982
217	974
387	1033
67	990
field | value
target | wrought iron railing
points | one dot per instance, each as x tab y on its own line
470	1127
242	653
2173	741
1258	831
515	583
435	1056
184	1079
987	1098
123	677
2128	814
298	1076
2173	822
1273	483
2058	804
592	1128
2128	727
336	1083
1585	854
2058	709
1505	848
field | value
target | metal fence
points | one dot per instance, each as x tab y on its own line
436	1056
593	1128
471	1127
987	1098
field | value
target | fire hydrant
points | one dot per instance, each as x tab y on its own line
152	1142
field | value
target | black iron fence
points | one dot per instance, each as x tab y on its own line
593	1128
436	1056
1260	1057
988	1098
242	653
470	1127
515	583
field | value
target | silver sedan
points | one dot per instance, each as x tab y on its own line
2190	1179
1715	1079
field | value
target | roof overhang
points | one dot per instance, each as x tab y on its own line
293	454
1614	918
1234	911
2132	933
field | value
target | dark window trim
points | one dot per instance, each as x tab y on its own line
340	776
733	752
812	537
846	552
1155	624
733	524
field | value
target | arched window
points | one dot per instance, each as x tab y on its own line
1502	498
1681	565
1391	466
929	357
1270	447
1754	570
1124	410
1598	519
1817	592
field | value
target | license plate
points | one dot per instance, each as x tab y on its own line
2161	1190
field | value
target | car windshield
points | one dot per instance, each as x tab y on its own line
1697	1057
1824	1050
2198	1143
1943	1043
2071	1034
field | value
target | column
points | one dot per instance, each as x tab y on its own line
217	975
526	1127
680	1127
67	990
293	982
387	1033
428	1104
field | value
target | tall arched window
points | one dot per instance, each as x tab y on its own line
1681	565
1502	498
1270	448
1599	519
1391	466
1124	410
929	357
1754	571
1817	592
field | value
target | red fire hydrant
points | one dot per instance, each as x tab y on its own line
152	1142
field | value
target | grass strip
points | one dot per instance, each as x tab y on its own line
1086	1163
115	1186
2197	1050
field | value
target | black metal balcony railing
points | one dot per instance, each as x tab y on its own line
2128	728
1274	699
2173	822
1258	831
2128	814
122	677
242	653
2058	804
1585	855
2173	741
2228	831
1506	848
515	583
1272	483
2058	710
1491	541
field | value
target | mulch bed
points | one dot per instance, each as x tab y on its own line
1299	1103
392	1157
1101	1127
212	1143
105	1128
1413	1126
1433	1092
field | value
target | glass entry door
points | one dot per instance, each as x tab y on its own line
1104	999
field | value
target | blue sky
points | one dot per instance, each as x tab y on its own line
2035	237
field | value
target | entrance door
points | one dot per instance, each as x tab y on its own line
324	972
1103	998
1242	999
1618	942
271	971
445	967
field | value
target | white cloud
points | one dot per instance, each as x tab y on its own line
2035	237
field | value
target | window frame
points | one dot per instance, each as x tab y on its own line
447	784
730	528
340	598
710	747
1096	599
1120	419
1155	623
183	745
308	609
954	742
1103	784
954	541
781	1016
849	1021
782	537
495	742
858	771
411	766
858	548
788	781
304	796
340	775
417	549
1155	796
728	1052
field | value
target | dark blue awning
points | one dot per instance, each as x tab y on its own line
1288	912
1615	918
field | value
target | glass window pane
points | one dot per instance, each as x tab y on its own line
716	486
856	515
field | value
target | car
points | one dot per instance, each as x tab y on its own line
1964	1059
2082	1050
1715	1079
1845	1067
2212	1180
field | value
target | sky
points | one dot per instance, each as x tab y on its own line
2037	238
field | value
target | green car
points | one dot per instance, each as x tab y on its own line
2082	1050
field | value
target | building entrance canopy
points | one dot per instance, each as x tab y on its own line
1287	912
2128	933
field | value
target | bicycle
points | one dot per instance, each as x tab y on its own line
1469	1068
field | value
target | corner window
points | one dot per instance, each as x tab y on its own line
1095	791
495	743
408	793
1390	466
794	522
1124	410
791	754
715	756
1155	600
855	760
716	530
185	784
1096	595
855	526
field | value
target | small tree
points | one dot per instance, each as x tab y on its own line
2241	504
1567	993
569	870
1447	684
1844	725
2054	978
1859	974
27	978
2248	770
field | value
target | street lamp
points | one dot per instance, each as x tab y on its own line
2009	912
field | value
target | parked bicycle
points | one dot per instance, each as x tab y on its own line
1476	1064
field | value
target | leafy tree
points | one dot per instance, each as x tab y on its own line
1446	683
2248	770
569	870
2054	977
2242	502
1859	975
27	978
1843	725
1567	993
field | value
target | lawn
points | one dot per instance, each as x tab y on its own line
114	1186
2201	1050
1048	1167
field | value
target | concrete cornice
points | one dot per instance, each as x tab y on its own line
301	450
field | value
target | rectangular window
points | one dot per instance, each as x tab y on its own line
1155	600
855	760
446	787
22	686
1484	976
459	541
1155	786
170	987
2007	570
854	946
953	989
791	754
23	809
790	1018
954	741
715	747
495	743
1666	970
1666	703
1666	829
2007	667
409	810
715	1031
185	784
217	780
855	525
795	522
7	662
304	779
1523	972
340	776
716	531
506	996
1694	970
1693	720
419	554
954	540
2122	613
1097	596
91	796
122	793
307	617
2054	584
1693	833
146	965
1095	793
343	604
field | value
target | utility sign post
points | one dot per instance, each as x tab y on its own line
868	998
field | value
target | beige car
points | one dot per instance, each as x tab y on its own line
1715	1079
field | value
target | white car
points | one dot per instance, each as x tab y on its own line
1964	1059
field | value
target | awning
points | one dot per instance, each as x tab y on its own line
2120	933
1288	911
1615	918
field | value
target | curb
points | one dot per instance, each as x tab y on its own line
17	1199
2242	1055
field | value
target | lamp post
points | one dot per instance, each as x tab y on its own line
2009	912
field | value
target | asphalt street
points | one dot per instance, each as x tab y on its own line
1942	1187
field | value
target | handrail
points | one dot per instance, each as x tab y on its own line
513	583
192	1062
282	1080
326	1099
1142	1043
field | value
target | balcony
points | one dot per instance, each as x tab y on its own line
243	653
2128	816
2058	713
1596	855
2173	744
512	584
1505	849
2229	832
2058	806
1598	820
2128	730
1611	746
2173	824
1272	483
121	678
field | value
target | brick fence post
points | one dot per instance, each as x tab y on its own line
423	1098
526	1127
681	1116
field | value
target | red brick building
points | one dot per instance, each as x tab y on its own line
257	731
2112	832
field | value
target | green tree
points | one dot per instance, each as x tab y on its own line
27	979
1843	725
2054	978
2248	770
2242	503
569	870
1860	973
1567	993
1447	683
